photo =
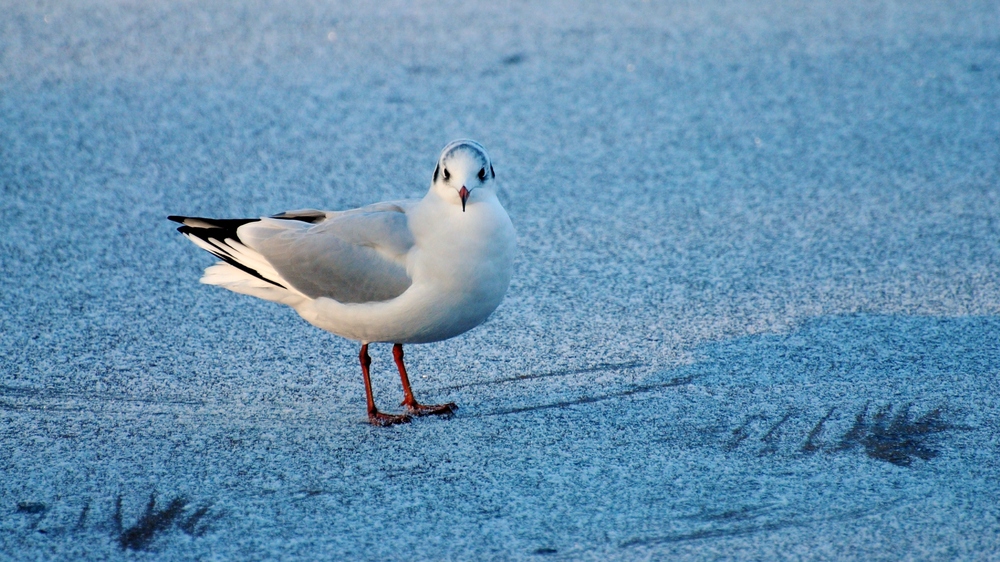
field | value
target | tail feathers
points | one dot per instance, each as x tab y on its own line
239	281
219	237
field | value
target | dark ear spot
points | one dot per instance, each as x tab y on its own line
437	170
492	173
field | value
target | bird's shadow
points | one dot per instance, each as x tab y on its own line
547	374
629	391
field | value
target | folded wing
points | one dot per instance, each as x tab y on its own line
352	256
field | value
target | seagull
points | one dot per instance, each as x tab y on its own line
400	272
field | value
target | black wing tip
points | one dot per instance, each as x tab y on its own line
210	228
228	225
311	218
220	229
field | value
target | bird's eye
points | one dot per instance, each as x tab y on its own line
482	174
446	174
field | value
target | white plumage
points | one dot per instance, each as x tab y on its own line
411	271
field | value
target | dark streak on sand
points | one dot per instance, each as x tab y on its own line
810	445
592	399
770	439
560	373
154	522
750	529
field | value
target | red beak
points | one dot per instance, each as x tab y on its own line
464	194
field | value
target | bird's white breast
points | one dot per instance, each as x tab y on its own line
464	259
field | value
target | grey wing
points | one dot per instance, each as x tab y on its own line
354	256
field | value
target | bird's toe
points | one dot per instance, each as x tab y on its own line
384	420
418	409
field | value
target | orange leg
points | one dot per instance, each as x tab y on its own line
409	401
374	416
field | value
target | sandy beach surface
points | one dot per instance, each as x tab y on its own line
755	313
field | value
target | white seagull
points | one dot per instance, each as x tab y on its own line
412	271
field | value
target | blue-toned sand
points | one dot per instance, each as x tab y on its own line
755	313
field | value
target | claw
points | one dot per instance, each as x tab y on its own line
385	420
418	409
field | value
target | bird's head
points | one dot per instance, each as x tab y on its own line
464	173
